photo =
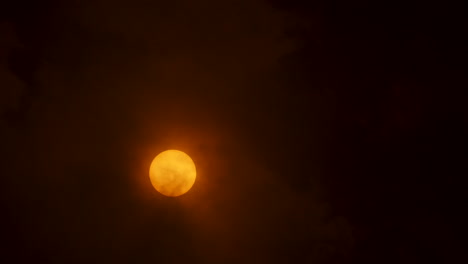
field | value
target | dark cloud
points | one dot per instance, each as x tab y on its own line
318	131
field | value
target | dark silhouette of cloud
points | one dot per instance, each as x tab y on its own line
320	132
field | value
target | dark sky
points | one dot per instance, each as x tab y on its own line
322	131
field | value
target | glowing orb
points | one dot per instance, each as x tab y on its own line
172	173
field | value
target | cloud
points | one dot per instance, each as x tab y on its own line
121	81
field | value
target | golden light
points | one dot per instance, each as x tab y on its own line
172	173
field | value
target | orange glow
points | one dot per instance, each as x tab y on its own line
172	173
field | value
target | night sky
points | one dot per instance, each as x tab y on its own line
322	131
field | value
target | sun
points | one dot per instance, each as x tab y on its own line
172	173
